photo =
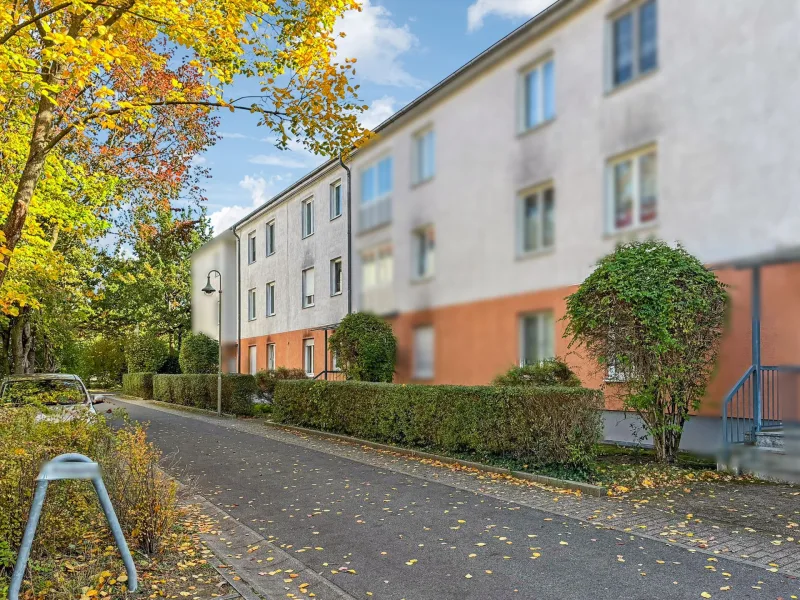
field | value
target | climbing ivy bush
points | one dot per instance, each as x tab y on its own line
654	314
365	347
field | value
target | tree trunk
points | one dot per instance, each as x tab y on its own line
29	347
17	346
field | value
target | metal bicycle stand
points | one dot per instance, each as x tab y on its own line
69	466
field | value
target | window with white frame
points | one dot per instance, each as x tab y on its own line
271	299
538	94
271	357
336	199
377	267
634	42
308	287
337	283
251	304
424	165
633	190
423	352
307	207
334	362
536	333
422	252
308	356
251	248
536	218
376	181
252	359
270	237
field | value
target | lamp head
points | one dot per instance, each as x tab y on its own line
208	289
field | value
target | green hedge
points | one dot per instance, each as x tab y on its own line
267	380
543	425
200	391
138	384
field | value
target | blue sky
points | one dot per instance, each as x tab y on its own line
403	47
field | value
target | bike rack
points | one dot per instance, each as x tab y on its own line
69	466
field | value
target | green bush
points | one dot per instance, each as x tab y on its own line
138	384
551	372
266	380
365	347
200	391
100	361
171	366
199	354
146	354
543	425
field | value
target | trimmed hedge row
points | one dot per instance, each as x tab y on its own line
543	425
138	384
200	391
267	380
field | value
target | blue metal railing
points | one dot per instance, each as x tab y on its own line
737	410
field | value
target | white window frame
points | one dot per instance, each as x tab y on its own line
419	370
374	167
251	304
251	247
634	157
545	317
381	258
522	95
252	359
336	185
308	344
307	204
424	141
269	297
269	237
428	232
538	191
271	357
304	285
334	291
632	9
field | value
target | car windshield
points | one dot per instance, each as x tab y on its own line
46	391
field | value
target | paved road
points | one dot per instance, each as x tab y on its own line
408	538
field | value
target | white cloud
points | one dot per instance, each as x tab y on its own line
271	160
377	43
198	160
260	190
379	110
233	136
509	9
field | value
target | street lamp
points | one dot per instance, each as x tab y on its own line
208	290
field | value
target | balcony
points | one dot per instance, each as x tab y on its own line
374	214
378	300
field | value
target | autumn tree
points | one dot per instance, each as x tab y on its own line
101	76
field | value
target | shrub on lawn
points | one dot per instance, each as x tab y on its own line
146	354
365	347
543	425
200	391
551	372
199	354
138	384
266	380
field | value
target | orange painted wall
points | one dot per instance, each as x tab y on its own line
288	350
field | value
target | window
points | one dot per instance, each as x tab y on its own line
377	268
251	248
336	277
376	181
334	362
422	359
537	221
633	193
251	304
252	359
271	357
423	156
270	237
538	95
308	356
336	200
308	287
308	217
634	42
423	247
537	331
271	299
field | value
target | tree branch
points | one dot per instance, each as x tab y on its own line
33	20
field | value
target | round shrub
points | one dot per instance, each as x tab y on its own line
146	354
550	372
199	354
365	347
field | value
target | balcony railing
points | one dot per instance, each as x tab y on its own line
375	213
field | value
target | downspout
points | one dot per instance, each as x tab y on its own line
349	240
238	300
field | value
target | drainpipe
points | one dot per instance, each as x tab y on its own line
349	240
238	300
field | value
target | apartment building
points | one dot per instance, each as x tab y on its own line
485	202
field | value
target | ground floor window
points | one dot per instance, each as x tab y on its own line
423	352
252	357
308	357
537	333
271	357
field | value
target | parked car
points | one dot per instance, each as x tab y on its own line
63	397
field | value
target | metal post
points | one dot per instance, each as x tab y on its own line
756	343
219	337
326	353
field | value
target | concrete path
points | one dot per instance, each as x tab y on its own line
349	529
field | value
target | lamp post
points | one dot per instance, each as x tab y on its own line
208	290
